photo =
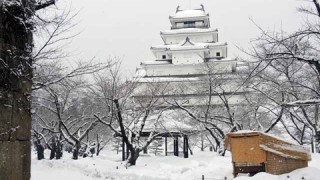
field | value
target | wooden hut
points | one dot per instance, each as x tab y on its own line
254	152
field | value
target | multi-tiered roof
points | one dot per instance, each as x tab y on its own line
190	51
189	43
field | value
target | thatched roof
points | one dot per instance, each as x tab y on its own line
273	144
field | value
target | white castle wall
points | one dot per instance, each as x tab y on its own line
185	69
198	38
187	57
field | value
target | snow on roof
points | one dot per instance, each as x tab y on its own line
155	62
189	13
181	47
195	47
266	148
166	123
169	121
188	30
215	60
287	150
140	72
303	102
276	145
167	79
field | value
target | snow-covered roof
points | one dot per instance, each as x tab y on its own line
168	122
188	30
167	79
303	102
140	72
214	60
189	13
195	47
168	63
273	144
187	44
155	62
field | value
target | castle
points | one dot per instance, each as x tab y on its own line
191	51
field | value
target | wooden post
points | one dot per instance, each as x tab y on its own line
166	146
316	117
234	170
174	146
314	139
312	145
202	177
317	142
185	146
127	150
202	145
317	135
123	151
177	146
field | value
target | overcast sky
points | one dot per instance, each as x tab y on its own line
127	28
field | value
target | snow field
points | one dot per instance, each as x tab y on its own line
108	166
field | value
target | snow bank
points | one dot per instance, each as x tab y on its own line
309	173
149	167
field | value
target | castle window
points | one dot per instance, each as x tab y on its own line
189	24
218	54
164	57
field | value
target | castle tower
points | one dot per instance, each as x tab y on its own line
190	51
189	44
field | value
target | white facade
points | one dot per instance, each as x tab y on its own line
188	47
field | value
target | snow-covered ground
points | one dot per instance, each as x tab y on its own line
149	167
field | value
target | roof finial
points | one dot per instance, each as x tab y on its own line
178	9
202	7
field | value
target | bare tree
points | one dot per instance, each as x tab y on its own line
53	34
293	57
126	117
215	104
69	120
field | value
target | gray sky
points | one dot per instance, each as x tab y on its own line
128	28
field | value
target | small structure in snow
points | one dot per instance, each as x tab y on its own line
168	127
254	152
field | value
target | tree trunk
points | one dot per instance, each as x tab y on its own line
202	144
134	154
15	88
317	141
59	150
40	150
98	149
221	150
191	153
53	148
76	149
